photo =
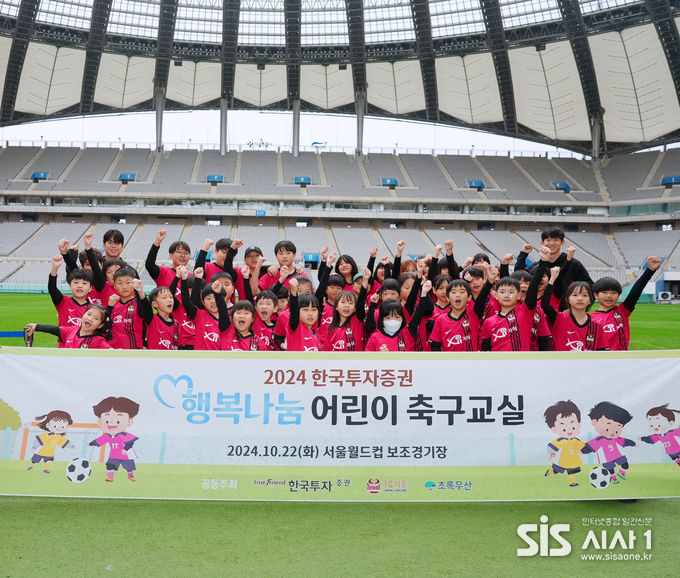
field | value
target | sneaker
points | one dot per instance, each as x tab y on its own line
46	471
622	476
31	467
108	480
574	485
547	472
132	478
615	480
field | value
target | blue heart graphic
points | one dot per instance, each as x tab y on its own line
174	381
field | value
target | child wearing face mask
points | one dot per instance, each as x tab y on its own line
393	333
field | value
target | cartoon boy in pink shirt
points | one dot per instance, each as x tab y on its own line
661	424
114	416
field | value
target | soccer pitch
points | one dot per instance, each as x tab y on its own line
87	537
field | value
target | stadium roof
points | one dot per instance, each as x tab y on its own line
542	70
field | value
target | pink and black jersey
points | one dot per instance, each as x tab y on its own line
102	297
162	334
615	325
208	334
128	326
302	338
70	338
268	281
540	328
281	329
265	333
326	319
608	450
70	312
511	332
670	441
232	341
348	337
402	341
457	334
570	336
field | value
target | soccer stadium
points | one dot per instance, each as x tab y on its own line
597	80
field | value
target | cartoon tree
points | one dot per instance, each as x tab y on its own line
9	417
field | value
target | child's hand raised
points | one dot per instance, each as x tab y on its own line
113	300
420	267
545	253
653	263
492	274
427	287
366	273
63	246
160	236
507	259
332	258
273	270
198	273
206	245
236	244
284	273
293	283
385	260
527	248
182	272
448	245
570	252
375	298
437	251
260	262
245	271
138	284
88	238
324	253
469	261
374	252
554	273
217	287
400	247
57	260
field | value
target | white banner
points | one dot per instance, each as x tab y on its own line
470	426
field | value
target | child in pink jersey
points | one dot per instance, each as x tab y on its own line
95	327
346	331
207	307
661	424
609	420
615	319
304	316
265	319
70	309
114	416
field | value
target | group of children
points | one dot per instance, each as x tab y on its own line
426	304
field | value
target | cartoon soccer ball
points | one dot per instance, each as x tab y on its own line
78	470
599	477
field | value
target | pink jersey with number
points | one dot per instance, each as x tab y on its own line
670	441
615	325
116	444
607	449
70	339
128	326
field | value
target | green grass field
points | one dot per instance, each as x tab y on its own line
65	537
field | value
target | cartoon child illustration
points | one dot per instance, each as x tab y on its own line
608	420
661	424
55	424
114	416
564	419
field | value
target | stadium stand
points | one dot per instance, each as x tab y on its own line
308	239
258	172
579	170
13	160
135	161
495	194
19	186
196	234
212	163
625	174
464	244
342	174
381	166
9	267
265	237
176	169
426	174
416	243
669	166
14	234
596	244
89	169
357	242
462	169
44	243
53	160
36	272
508	176
137	246
544	172
636	246
303	166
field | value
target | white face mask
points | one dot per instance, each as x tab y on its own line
391	326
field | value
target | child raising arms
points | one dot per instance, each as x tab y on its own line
346	331
304	314
95	326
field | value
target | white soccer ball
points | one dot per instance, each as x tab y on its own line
78	470
599	477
